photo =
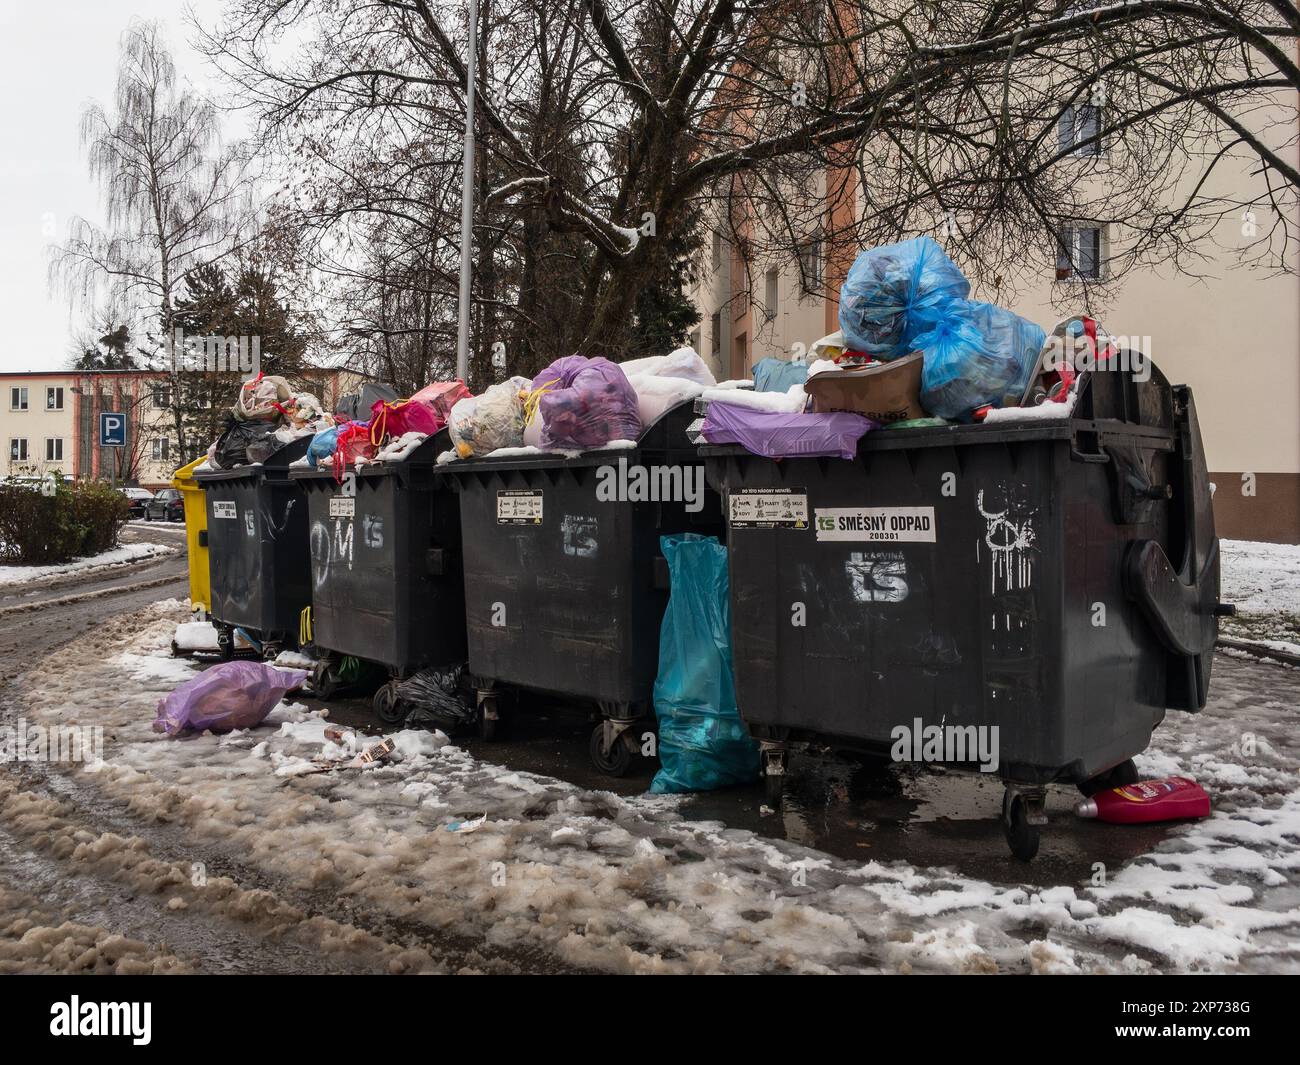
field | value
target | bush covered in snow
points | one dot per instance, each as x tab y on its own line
58	519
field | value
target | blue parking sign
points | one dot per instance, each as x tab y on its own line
112	429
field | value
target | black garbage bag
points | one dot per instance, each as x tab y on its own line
439	698
242	443
356	405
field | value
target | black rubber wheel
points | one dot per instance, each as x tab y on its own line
324	683
226	642
774	787
488	727
387	707
1022	837
617	760
1124	773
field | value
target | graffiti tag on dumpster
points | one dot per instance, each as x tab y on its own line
877	576
522	507
768	508
895	524
1010	541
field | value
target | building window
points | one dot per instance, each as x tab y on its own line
715	333
695	340
159	448
1079	251
17	399
54	449
1079	126
18	450
717	250
810	266
54	399
773	291
162	397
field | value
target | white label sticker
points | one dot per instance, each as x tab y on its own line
768	508
343	507
519	508
225	509
894	524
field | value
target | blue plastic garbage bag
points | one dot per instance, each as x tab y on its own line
778	375
322	446
703	744
888	288
976	353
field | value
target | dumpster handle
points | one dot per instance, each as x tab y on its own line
1101	455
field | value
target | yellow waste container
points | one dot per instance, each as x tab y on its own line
196	535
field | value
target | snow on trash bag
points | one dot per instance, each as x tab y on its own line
480	424
585	403
888	288
976	354
228	696
703	744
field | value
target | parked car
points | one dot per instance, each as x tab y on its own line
166	505
137	499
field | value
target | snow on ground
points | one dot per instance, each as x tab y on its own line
118	556
629	885
1263	580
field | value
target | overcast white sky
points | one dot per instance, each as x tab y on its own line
54	57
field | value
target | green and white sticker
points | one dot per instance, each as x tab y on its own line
888	524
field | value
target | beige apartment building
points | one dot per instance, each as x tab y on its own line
1232	334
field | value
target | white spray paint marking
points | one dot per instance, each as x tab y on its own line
1010	542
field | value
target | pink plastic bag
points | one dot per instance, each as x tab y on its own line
425	412
585	403
228	696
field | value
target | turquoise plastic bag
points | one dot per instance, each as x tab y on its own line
888	288
322	446
778	375
703	744
976	353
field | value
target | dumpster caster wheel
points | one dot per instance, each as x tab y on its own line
1124	773
488	718
324	683
386	705
774	788
1021	816
613	760
226	642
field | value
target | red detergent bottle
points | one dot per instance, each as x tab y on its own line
1171	799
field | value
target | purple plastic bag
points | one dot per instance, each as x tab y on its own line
586	403
228	696
778	436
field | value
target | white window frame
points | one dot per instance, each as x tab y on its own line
18	449
165	392
18	398
811	280
54	449
1074	247
53	397
159	447
771	292
1068	130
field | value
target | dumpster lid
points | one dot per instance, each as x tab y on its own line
665	433
277	463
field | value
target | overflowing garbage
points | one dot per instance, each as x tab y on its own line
267	414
